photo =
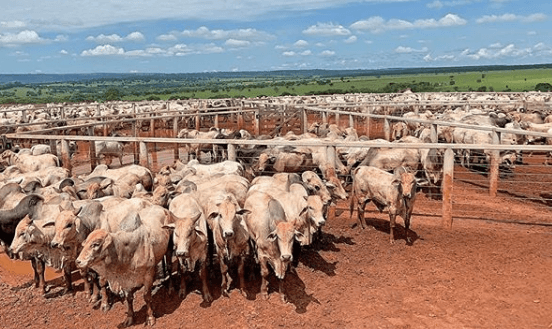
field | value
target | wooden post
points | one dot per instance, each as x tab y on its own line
144	160
197	123
105	132
65	157
152	133
92	149
305	121
216	121
493	169
337	119
232	152
331	155
387	129
135	144
351	121
257	123
325	117
240	120
175	135
53	147
24	116
282	120
434	137
446	187
367	122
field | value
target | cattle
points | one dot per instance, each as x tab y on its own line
45	149
189	229
272	235
83	189
142	175
395	193
9	218
231	240
127	259
29	163
210	170
285	162
196	149
109	150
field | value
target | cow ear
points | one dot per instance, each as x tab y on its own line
330	185
107	242
213	215
48	224
200	234
170	226
243	212
303	211
106	183
298	235
77	211
78	224
272	236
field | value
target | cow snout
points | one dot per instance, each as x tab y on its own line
286	258
228	234
79	263
183	254
54	244
322	223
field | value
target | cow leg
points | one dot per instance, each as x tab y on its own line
407	224
130	309
281	290
205	287
148	299
68	279
392	218
226	280
39	274
105	297
95	297
182	290
241	276
360	212
264	275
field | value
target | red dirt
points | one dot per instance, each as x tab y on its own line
477	275
480	274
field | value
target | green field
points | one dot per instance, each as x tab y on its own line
163	87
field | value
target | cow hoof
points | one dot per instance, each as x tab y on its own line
150	321
207	298
244	294
225	293
264	295
94	299
105	307
128	322
182	294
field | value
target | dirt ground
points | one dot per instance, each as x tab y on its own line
483	273
480	274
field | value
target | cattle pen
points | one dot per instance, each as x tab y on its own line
152	134
481	251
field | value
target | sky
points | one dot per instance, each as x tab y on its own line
190	36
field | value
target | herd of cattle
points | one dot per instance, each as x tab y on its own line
125	228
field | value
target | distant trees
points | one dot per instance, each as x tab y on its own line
543	86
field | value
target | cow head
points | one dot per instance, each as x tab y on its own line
225	218
283	235
315	185
27	237
336	188
185	232
67	226
316	210
160	196
95	248
405	182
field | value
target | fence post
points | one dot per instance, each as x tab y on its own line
325	117
387	129
331	155
53	147
231	152
135	144
197	123
351	121
493	170
337	119
144	161
92	149
217	121
367	122
65	157
446	187
434	136
257	122
305	121
175	134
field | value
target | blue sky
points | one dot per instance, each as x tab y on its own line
82	36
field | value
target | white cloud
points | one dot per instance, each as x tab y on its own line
532	33
280	47
351	39
64	52
435	4
301	43
493	53
289	53
511	18
167	37
102	38
233	43
104	50
408	50
539	46
249	34
377	24
23	37
13	25
327	53
496	45
306	53
326	29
